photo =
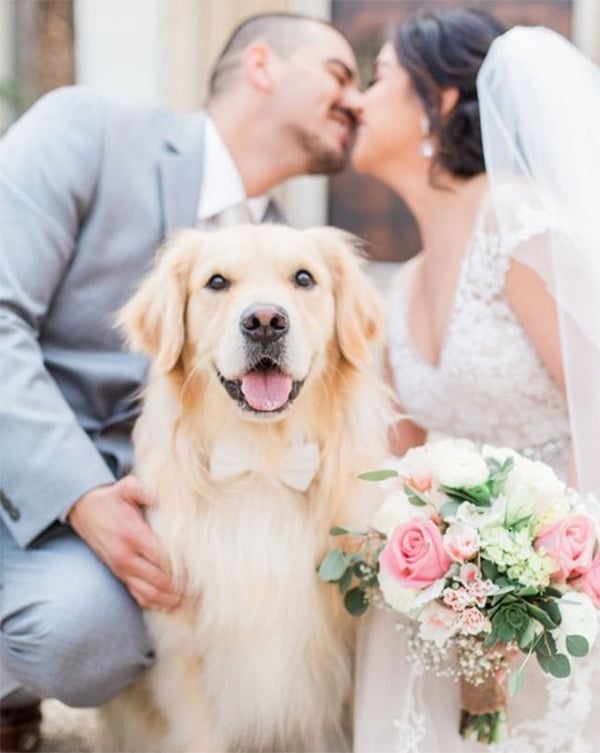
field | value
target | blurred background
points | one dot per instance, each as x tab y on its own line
159	51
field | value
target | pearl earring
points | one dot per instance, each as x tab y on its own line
426	147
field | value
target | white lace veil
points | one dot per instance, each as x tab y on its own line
540	114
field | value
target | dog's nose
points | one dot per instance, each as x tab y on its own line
264	322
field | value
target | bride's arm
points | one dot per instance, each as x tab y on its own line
535	308
403	433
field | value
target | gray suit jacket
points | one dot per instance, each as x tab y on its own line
88	191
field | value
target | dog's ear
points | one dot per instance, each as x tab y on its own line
153	320
359	315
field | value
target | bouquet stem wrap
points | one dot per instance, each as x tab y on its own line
483	709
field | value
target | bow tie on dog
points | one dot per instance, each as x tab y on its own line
296	467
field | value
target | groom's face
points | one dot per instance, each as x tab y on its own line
317	95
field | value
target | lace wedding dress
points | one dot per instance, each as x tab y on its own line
490	386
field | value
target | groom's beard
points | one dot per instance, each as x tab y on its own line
322	159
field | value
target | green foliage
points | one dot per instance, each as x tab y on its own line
414	498
356	602
340	531
515	681
333	566
577	645
352	573
483	494
377	475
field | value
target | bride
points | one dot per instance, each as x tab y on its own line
492	138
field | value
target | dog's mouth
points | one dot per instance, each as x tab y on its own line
263	389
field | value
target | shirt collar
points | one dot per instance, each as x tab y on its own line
223	177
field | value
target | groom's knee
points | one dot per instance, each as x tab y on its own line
81	643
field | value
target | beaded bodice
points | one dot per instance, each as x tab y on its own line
490	384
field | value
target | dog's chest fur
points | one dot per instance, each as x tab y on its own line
266	641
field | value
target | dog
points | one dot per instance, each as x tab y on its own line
259	412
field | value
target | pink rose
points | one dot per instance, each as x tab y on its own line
414	554
590	581
570	543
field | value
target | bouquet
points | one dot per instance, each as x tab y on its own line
489	556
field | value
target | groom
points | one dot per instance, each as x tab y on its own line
88	190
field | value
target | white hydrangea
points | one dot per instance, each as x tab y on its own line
513	553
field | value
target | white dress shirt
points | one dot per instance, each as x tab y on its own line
222	186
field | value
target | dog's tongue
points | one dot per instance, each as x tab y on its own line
266	390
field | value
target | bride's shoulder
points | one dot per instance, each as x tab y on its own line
513	211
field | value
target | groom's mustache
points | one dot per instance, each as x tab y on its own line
346	114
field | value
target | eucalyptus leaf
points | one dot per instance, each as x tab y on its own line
546	646
333	566
449	509
515	681
378	475
341	531
527	636
542	616
577	645
345	581
414	498
559	666
356	602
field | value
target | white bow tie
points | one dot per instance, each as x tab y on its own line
297	466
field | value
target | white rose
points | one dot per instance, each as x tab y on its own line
481	517
458	464
395	510
397	596
579	617
416	465
545	490
498	453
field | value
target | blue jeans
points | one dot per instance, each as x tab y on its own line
69	629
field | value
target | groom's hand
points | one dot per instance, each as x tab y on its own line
111	520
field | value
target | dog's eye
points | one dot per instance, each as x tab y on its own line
218	282
304	279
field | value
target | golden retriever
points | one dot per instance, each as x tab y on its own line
259	413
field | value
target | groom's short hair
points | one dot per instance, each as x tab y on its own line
283	32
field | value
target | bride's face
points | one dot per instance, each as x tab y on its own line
390	118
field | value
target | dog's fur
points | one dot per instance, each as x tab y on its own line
259	656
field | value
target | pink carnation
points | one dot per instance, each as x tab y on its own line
473	622
414	554
570	543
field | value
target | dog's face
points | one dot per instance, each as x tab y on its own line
258	308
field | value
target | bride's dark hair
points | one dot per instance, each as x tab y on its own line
446	49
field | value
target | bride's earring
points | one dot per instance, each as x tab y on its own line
426	147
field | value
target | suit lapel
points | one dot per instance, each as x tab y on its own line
180	172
